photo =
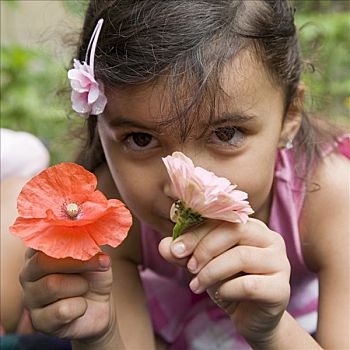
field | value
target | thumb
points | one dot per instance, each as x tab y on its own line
166	252
100	282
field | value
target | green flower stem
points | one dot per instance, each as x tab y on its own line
186	218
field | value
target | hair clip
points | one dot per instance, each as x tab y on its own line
87	94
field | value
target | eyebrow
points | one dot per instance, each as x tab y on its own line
236	118
121	121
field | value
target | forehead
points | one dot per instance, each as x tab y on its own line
245	88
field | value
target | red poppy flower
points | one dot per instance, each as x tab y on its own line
61	214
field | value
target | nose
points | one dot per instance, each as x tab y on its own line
169	191
199	159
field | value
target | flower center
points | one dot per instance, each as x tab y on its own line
183	217
174	211
72	210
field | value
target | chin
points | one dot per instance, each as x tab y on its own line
164	226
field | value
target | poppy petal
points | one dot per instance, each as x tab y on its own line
79	242
91	212
53	187
62	215
56	241
112	228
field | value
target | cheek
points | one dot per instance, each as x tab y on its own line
133	181
139	192
136	186
257	180
253	174
258	188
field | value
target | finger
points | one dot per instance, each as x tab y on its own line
39	265
228	305
227	235
100	284
29	253
166	252
238	260
53	287
187	242
270	289
53	317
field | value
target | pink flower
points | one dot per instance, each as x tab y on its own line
205	193
87	94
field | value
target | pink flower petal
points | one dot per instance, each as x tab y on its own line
87	79
87	94
205	193
94	92
99	105
79	102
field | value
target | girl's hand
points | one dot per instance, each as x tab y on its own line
243	267
69	298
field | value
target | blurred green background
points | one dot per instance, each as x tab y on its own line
35	93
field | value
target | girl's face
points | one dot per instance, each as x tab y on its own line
239	144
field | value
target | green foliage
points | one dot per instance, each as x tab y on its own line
325	43
76	7
30	99
11	3
321	6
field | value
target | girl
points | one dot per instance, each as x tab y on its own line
220	82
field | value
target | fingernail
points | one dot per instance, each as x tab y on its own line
104	261
178	248
194	285
192	265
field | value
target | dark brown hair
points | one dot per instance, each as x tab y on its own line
188	43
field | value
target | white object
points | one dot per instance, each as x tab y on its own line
22	154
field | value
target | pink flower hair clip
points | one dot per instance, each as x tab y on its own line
202	195
87	94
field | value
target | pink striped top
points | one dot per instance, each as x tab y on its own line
189	321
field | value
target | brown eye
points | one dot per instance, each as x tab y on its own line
225	134
141	139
